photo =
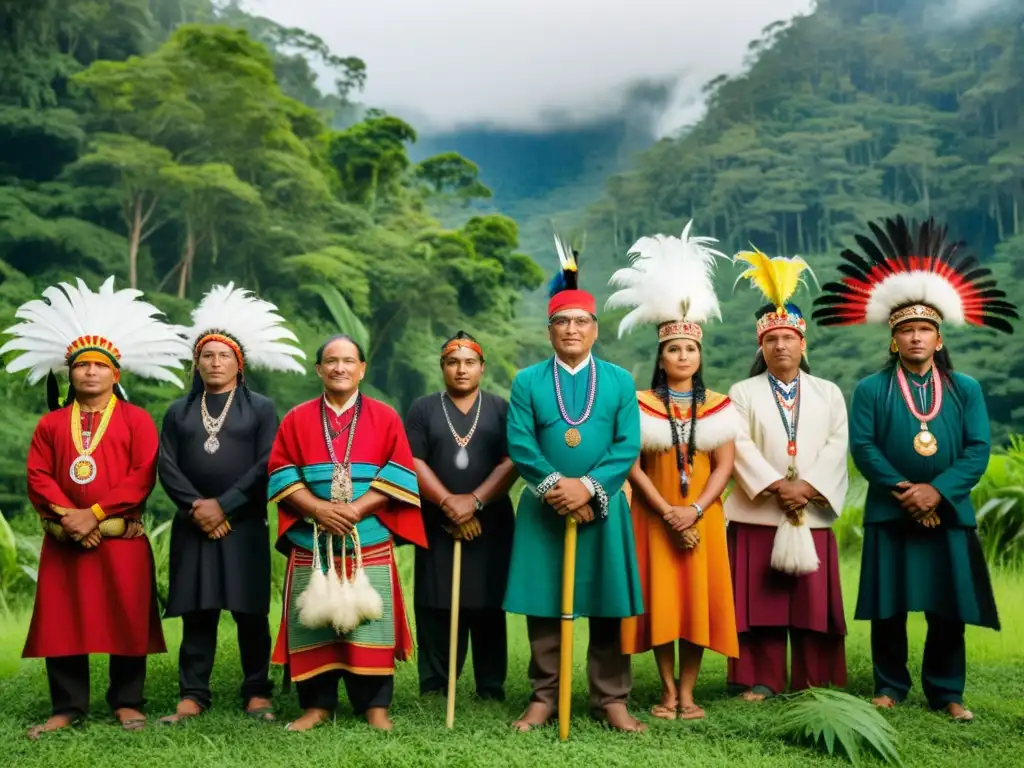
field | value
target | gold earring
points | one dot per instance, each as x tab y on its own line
938	348
892	347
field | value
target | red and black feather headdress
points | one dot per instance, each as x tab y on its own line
910	272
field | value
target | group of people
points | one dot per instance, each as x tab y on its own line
665	554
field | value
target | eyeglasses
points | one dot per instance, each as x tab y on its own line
583	323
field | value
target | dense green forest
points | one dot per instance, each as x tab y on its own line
863	109
179	143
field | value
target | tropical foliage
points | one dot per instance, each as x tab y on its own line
864	108
838	722
182	143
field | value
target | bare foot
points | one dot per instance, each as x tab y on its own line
130	719
311	718
55	723
260	708
959	714
884	702
618	717
186	709
378	718
752	695
536	715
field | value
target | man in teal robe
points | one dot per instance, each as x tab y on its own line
574	434
919	433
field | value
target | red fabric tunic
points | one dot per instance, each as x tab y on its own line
100	600
380	441
382	461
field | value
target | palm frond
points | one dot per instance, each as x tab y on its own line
828	718
342	314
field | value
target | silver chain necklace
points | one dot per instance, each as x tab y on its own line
572	435
212	425
462	457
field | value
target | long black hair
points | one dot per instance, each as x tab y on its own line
941	359
659	384
761	365
198	386
53	401
340	337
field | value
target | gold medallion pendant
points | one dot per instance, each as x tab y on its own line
83	470
925	443
573	437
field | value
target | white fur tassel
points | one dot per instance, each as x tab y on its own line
367	601
314	602
345	616
793	551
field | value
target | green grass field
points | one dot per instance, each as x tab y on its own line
735	733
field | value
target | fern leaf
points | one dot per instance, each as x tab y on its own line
829	718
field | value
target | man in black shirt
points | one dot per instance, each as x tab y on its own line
459	449
214	448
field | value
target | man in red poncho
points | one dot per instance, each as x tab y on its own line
91	467
341	472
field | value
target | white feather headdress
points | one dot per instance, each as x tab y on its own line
252	323
669	283
70	320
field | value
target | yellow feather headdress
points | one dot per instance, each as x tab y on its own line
778	279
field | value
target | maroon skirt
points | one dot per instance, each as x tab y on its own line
765	597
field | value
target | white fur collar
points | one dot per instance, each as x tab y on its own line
713	430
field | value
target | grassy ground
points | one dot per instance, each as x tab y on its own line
735	733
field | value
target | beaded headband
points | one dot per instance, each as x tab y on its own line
914	312
680	329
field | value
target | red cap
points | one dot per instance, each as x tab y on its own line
572	299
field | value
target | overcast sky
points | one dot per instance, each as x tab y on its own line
442	63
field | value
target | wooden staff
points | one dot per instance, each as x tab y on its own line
565	658
453	628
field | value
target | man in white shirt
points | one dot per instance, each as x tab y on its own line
791	458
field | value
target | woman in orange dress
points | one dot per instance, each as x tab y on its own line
677	483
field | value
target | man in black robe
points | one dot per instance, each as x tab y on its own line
459	448
214	449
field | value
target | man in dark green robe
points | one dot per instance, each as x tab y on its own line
574	434
919	433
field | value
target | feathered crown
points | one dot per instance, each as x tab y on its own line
564	290
247	324
900	277
777	278
668	283
71	323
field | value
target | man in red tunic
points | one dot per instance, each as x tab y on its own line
91	467
341	472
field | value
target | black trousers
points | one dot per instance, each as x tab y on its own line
199	647
485	629
69	683
943	669
364	691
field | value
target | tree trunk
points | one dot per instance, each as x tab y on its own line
134	239
998	216
925	191
186	262
1016	215
801	242
373	189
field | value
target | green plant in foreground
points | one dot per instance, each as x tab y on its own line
826	717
